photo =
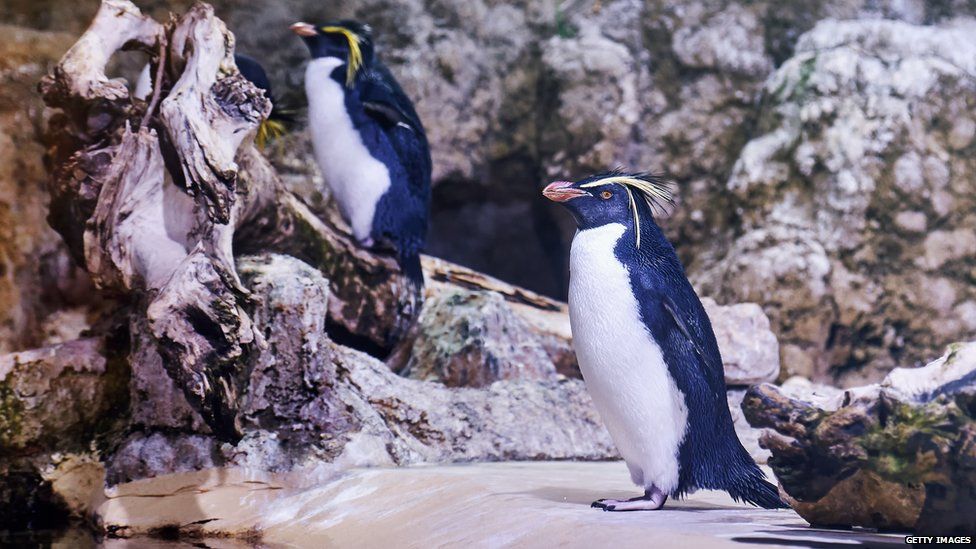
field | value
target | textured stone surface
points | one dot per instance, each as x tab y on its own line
55	401
311	402
858	153
894	455
750	352
472	339
36	277
309	391
57	396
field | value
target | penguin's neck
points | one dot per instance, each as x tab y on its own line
325	86
655	251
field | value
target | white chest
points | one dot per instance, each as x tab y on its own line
622	365
356	178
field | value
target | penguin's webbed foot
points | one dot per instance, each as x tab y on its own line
652	500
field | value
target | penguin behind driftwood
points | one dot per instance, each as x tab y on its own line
369	142
274	126
646	348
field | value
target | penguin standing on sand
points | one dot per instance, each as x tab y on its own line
368	140
646	349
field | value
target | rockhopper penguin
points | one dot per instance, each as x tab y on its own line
368	140
646	349
274	126
270	128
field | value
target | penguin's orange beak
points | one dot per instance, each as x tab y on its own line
303	29
562	191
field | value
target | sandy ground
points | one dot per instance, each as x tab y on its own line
538	504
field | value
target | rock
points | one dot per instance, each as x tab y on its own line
310	403
151	385
514	93
730	41
546	318
56	397
515	504
146	455
305	386
655	85
818	394
36	277
472	339
750	352
854	161
77	481
57	404
894	455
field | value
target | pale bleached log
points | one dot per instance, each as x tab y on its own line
80	75
143	236
210	110
129	243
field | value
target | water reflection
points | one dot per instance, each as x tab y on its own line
78	537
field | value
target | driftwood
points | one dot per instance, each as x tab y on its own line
154	197
898	455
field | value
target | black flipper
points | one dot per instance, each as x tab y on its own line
744	480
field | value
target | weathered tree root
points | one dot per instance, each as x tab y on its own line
155	210
899	455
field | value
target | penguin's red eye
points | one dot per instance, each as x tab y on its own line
606	195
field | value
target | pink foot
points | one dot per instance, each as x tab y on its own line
652	500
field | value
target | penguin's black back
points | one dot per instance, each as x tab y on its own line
710	455
255	73
402	213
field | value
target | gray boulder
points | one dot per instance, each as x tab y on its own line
472	339
750	352
864	145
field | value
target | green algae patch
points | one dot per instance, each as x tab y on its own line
11	418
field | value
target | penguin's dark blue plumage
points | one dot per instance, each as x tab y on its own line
369	142
647	350
280	116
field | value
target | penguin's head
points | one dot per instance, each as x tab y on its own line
350	41
276	123
612	197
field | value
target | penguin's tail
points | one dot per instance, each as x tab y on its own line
752	487
410	263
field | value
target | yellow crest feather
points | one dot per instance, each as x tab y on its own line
268	130
653	190
355	60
